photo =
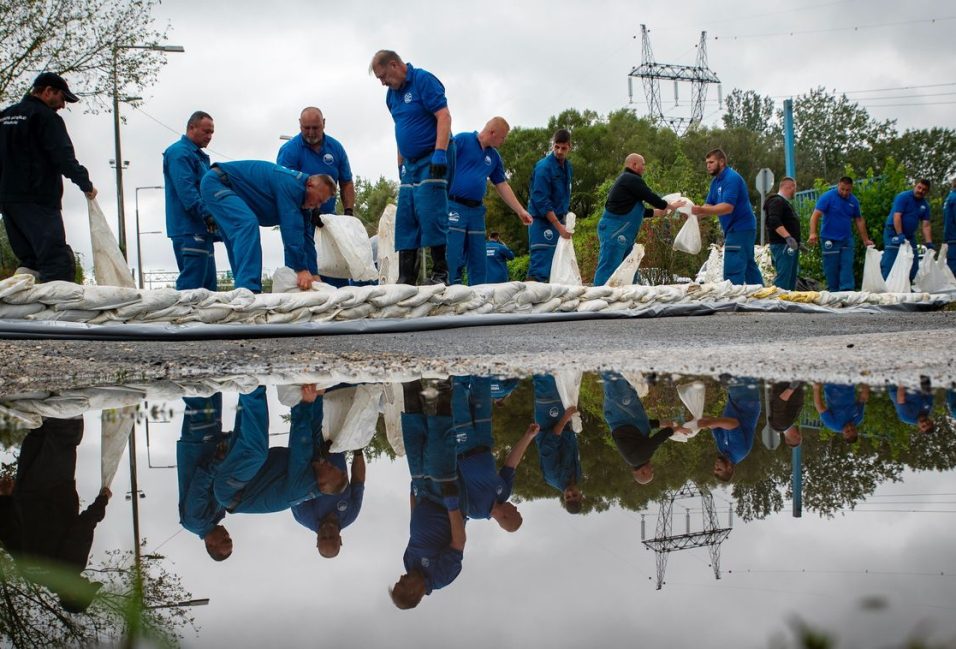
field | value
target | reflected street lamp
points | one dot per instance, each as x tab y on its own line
121	214
189	602
139	245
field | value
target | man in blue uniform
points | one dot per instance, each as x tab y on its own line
839	208
734	431
256	479
486	489
557	443
839	407
548	205
949	227
436	539
913	407
630	428
623	214
783	231
187	219
244	195
476	161
202	445
426	162
910	208
313	152
729	200
35	154
328	514
497	256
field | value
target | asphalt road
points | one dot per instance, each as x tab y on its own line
876	348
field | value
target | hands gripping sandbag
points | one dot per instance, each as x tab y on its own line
564	265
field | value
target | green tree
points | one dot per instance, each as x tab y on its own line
927	153
77	38
751	111
371	199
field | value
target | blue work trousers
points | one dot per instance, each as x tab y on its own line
787	264
239	228
196	260
542	240
951	256
466	243
838	263
891	248
421	219
471	412
740	267
616	235
622	406
250	447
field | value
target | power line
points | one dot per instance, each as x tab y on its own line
854	28
924	103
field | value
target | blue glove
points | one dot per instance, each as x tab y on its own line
931	245
898	239
439	164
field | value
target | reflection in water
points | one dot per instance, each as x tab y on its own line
604	443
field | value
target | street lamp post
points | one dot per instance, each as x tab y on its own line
120	211
139	245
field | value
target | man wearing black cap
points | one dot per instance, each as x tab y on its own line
35	153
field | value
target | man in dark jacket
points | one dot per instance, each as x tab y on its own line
40	520
783	229
35	152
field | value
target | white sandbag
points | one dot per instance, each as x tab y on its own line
393	404
349	416
507	292
930	277
564	264
692	395
898	281
343	248
19	311
284	280
624	274
639	382
100	298
357	295
547	307
873	281
355	312
568	383
109	267
15	284
944	265
73	315
533	293
116	427
149	301
425	294
587	306
712	271
47	293
392	312
387	255
454	294
688	238
393	294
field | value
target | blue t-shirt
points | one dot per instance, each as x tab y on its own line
484	483
496	263
330	159
912	211
949	218
474	166
842	407
743	404
347	505
413	108
184	164
558	454
729	187
199	511
838	215
275	194
550	187
429	542
914	404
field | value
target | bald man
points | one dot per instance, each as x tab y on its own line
476	161
624	212
313	152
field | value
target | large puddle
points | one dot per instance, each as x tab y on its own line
665	511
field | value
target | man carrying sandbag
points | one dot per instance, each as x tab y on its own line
839	209
245	195
623	214
35	153
910	208
729	201
548	205
783	226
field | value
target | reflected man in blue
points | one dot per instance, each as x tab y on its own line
913	407
557	443
201	447
486	489
630	426
840	409
328	514
734	431
436	538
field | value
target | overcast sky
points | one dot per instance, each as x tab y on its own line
559	581
253	67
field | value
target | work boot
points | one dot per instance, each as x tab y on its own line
408	267
439	266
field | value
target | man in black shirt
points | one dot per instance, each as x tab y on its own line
783	226
35	153
786	404
630	426
624	212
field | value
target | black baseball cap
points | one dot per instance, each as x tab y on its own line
55	81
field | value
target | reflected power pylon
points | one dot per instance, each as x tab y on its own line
651	73
666	541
